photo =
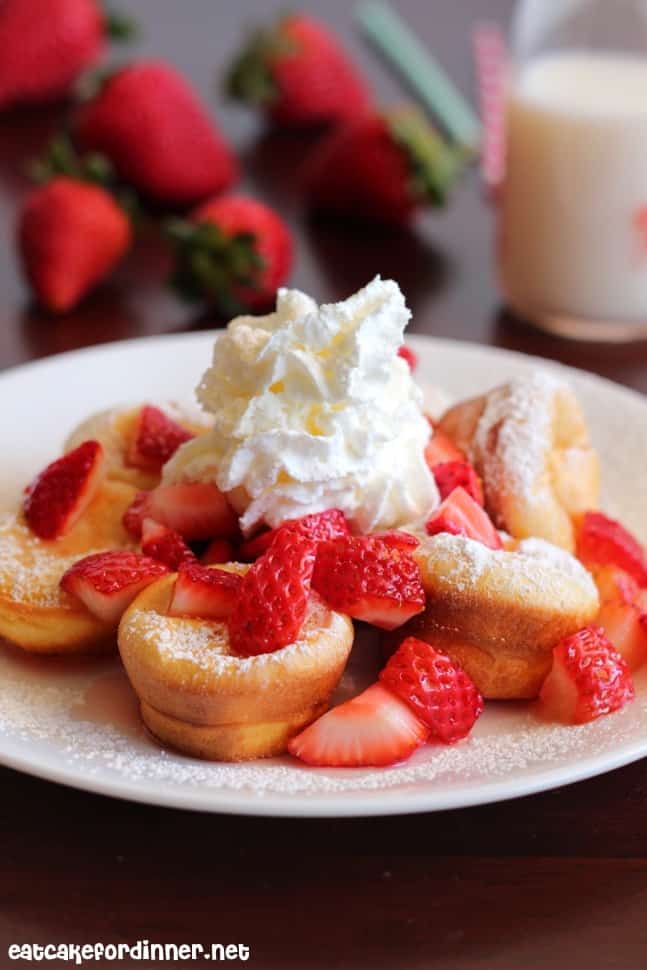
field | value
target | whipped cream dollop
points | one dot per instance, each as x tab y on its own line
314	409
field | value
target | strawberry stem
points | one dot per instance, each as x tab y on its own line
436	165
61	158
250	77
211	265
120	27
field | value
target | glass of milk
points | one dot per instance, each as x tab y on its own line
573	206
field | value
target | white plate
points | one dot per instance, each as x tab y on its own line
75	721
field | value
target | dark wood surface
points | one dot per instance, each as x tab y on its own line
556	880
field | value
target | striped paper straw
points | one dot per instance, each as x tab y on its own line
491	62
434	88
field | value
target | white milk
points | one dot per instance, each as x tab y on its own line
572	240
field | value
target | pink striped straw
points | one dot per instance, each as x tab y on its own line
491	61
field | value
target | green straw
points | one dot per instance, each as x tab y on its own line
425	76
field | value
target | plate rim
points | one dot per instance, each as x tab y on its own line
360	803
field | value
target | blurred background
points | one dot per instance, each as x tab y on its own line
443	262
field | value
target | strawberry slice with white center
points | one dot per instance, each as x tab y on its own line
107	582
440	449
320	526
207	593
134	515
588	678
274	595
369	580
161	543
157	438
59	496
435	687
615	585
397	539
374	728
603	541
624	625
454	474
218	551
197	510
460	515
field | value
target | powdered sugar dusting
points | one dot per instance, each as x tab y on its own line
509	741
537	566
29	573
205	646
519	414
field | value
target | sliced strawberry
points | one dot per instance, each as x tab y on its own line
319	527
134	515
207	593
409	355
161	543
197	510
460	515
157	438
374	728
438	691
274	594
441	449
622	623
588	678
601	540
58	497
615	585
107	582
397	539
218	551
454	474
369	580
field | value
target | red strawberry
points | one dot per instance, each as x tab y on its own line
460	515
207	593
397	539
615	585
374	728
624	626
369	580
218	551
452	474
274	595
134	515
157	438
382	167
320	526
45	47
589	678
107	582
601	540
57	497
437	690
165	545
197	510
441	450
157	133
71	235
297	71
233	251
409	355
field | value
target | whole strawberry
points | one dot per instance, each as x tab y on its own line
71	234
382	167
298	73
233	252
150	123
44	47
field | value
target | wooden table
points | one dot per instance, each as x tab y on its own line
557	880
